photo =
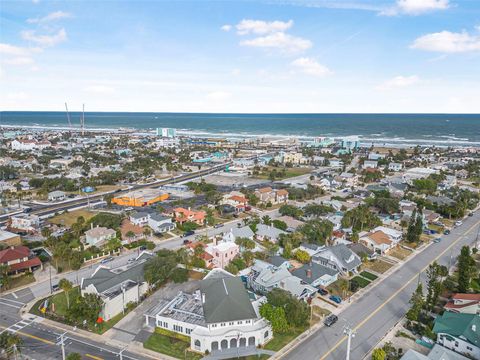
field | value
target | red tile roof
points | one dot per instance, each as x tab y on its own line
26	264
473	297
17	252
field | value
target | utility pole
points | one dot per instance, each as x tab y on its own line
50	276
347	330
62	344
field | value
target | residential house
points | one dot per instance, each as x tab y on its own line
239	202
139	218
338	257
347	179
394	166
160	224
220	315
459	332
268	233
19	259
98	236
292	223
131	232
377	240
222	252
363	251
117	287
28	145
273	196
8	238
264	277
464	303
25	222
370	164
316	275
183	215
437	353
57	195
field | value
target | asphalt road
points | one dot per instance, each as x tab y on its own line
374	314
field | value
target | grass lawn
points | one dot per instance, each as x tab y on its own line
318	314
70	217
280	340
362	282
170	345
400	253
378	266
58	306
368	275
289	172
23	280
195	275
105	188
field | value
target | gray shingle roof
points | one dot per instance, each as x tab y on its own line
317	271
104	279
158	217
345	256
226	299
243	232
138	214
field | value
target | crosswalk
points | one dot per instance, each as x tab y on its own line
19	325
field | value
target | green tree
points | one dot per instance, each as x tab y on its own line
232	268
433	285
302	256
276	316
417	301
9	342
74	356
466	266
66	286
316	231
379	354
4	277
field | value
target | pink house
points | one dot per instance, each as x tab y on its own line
222	253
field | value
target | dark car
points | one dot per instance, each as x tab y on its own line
143	247
188	233
470	214
27	210
330	320
446	232
322	292
218	226
336	299
186	242
55	287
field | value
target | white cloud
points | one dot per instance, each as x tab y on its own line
448	42
56	15
25	60
45	40
310	66
218	95
13	50
399	82
422	6
236	72
281	41
260	27
99	89
226	27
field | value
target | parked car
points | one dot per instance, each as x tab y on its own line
143	247
458	223
330	320
55	287
188	233
218	226
186	242
27	210
437	240
470	214
131	260
322	291
446	232
106	260
335	298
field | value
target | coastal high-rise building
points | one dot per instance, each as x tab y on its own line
167	132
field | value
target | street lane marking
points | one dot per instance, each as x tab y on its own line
398	291
14	295
93	357
31	336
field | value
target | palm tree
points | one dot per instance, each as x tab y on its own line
4	277
266	220
10	343
66	286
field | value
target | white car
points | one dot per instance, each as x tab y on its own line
458	223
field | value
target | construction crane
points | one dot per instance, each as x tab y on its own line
68	116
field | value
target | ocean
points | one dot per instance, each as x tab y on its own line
379	129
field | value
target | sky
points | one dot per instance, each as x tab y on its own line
276	56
